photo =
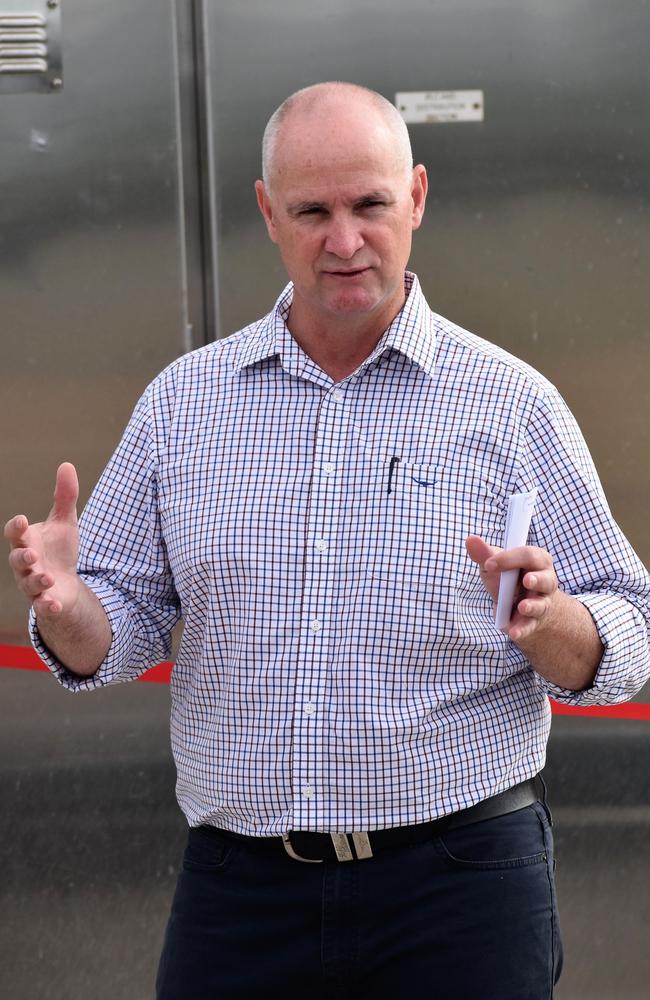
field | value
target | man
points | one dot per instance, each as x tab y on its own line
322	498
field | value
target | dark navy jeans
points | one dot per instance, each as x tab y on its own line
470	915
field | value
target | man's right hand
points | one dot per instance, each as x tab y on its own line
43	556
71	620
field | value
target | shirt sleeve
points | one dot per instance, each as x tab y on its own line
123	559
593	560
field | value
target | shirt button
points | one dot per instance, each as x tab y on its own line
316	626
321	545
310	708
329	468
308	792
337	395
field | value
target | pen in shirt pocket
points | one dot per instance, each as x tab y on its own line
394	462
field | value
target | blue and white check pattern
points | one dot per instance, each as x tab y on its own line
340	668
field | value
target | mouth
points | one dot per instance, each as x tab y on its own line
346	273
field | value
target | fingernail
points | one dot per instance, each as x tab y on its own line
533	580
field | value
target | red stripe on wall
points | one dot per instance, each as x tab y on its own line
160	674
25	658
630	710
22	657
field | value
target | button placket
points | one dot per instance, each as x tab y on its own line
319	595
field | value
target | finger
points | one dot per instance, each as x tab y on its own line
527	616
34	585
22	560
525	557
540	582
47	606
523	630
479	551
66	494
523	625
15	529
533	607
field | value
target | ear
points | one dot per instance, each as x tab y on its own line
266	208
419	188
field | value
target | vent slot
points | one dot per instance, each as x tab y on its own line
22	21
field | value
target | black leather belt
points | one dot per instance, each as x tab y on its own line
305	845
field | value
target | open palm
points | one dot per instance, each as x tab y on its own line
44	555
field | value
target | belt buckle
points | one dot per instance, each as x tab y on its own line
342	847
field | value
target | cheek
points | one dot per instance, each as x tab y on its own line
301	249
297	256
393	243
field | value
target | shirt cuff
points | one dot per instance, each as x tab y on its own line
625	663
123	643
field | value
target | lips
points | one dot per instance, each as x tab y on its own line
352	273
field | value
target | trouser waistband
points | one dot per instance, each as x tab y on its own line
311	846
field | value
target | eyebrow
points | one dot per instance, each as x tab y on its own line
303	206
296	208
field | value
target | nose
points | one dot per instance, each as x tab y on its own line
343	237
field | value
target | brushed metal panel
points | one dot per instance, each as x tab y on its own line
92	286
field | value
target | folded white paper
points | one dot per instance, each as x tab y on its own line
520	512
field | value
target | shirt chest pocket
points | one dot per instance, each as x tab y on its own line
422	523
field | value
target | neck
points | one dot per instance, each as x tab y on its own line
338	345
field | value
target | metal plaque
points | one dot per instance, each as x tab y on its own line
438	106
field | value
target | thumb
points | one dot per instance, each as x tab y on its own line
66	494
478	550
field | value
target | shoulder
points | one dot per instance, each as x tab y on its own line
465	354
193	382
220	357
206	366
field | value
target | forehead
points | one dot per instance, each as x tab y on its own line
333	151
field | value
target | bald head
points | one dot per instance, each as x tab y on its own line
328	102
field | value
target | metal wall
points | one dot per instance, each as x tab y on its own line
129	232
92	275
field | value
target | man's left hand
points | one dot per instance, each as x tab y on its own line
537	582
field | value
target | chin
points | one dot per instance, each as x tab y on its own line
354	301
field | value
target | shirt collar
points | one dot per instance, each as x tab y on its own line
412	333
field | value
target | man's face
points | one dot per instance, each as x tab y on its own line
342	209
